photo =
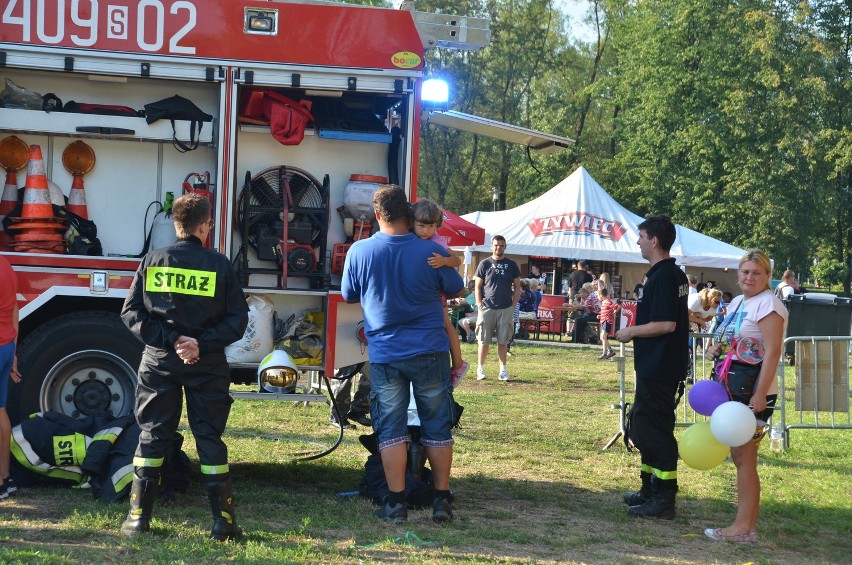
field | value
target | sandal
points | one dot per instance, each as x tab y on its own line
716	534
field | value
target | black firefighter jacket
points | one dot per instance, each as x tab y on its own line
93	452
186	289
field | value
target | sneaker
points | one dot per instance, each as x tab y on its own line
396	514
3	492
458	374
10	485
471	337
504	375
480	375
442	509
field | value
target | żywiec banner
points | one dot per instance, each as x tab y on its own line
579	223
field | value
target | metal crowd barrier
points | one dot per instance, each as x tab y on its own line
820	387
820	384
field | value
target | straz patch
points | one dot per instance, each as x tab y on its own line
69	451
180	281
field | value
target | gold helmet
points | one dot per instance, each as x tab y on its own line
277	373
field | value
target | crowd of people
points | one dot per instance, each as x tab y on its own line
669	306
405	279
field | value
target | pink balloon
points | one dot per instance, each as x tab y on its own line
706	396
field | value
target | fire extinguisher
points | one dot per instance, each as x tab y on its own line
199	184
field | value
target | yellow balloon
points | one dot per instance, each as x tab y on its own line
700	449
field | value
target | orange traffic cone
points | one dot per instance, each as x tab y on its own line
36	192
37	230
7	204
77	198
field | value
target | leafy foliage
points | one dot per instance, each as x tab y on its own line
829	271
733	117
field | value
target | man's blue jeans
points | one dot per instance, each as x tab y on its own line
429	375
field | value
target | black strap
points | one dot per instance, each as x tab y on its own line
681	388
193	139
625	425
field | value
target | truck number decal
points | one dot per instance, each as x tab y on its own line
118	16
187	27
87	20
90	23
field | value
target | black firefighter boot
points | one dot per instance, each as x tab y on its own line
142	495
662	501
221	497
640	497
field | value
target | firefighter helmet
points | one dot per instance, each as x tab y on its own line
277	373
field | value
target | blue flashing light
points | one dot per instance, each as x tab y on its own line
435	92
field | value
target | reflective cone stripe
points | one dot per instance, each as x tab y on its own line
7	204
36	193
10	194
77	198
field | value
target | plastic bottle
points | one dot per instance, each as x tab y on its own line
776	438
170	199
163	231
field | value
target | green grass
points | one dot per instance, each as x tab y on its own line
532	485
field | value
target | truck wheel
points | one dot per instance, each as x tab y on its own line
78	364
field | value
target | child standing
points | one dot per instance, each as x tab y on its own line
427	217
607	320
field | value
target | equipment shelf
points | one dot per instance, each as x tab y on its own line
98	126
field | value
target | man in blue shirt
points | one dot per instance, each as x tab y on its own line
400	294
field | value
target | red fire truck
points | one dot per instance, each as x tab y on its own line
360	70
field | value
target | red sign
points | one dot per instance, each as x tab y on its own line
546	312
324	35
628	313
579	223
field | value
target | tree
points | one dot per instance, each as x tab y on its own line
510	81
829	272
716	120
733	117
831	154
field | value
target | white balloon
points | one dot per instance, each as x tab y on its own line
733	423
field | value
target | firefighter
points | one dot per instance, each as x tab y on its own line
661	357
186	304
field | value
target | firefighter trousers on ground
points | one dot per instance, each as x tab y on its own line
163	378
652	426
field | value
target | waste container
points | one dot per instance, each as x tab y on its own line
816	314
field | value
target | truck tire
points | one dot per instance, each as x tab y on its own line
78	364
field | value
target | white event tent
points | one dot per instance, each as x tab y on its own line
578	219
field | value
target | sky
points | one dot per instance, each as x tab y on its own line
577	10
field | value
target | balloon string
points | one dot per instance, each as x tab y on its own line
724	367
